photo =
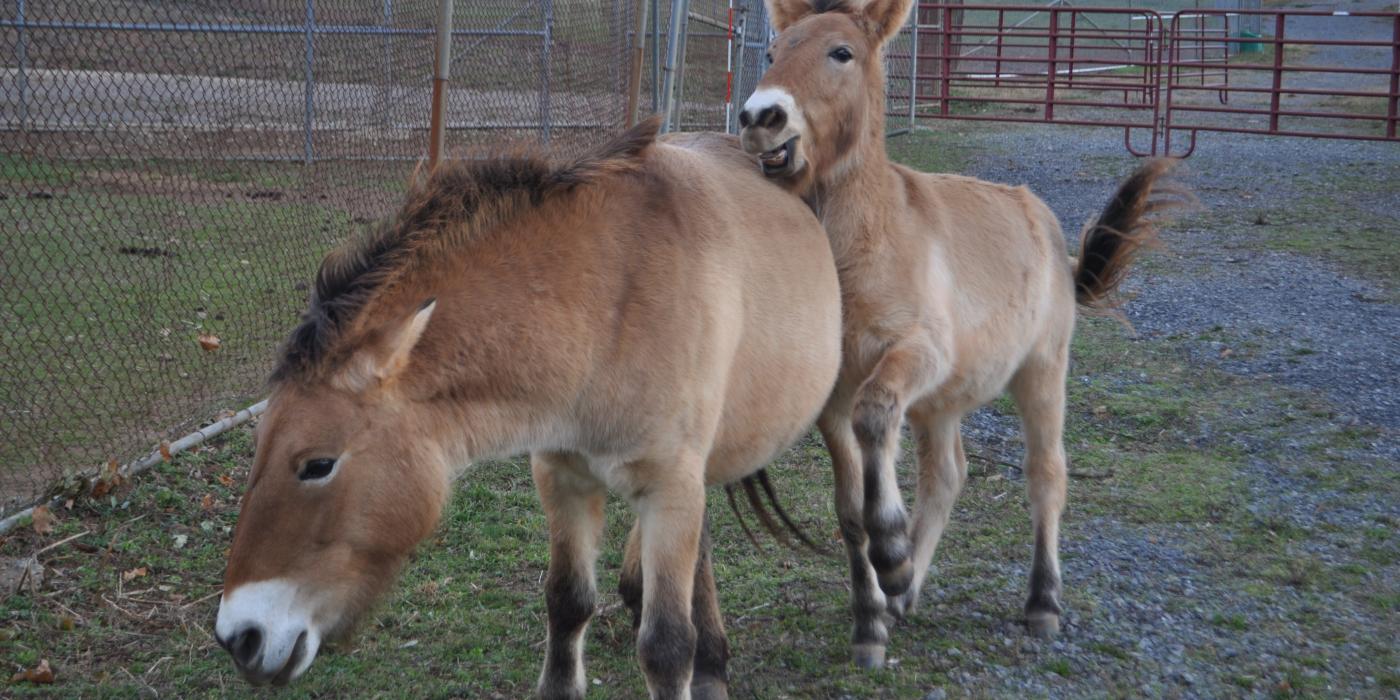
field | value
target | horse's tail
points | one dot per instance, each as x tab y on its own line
1112	242
751	485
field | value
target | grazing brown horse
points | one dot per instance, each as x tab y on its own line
649	320
954	289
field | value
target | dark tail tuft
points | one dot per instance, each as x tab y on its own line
751	485
1128	224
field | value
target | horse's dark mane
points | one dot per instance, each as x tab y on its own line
821	6
458	200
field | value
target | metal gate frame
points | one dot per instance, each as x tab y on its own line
1147	86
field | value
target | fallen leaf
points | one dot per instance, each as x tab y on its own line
180	541
209	342
43	520
1101	411
207	503
165	447
226	480
101	488
133	574
67	623
39	674
1226	352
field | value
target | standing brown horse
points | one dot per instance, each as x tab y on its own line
954	290
626	318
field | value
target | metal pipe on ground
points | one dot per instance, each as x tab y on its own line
195	438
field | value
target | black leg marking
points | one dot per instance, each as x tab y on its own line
710	677
570	602
1043	605
666	647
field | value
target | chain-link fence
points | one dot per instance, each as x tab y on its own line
171	173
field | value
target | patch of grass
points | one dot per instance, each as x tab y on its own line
931	151
1234	621
30	171
1059	667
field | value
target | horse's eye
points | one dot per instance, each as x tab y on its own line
841	54
769	56
316	469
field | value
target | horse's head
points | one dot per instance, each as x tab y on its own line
824	91
346	480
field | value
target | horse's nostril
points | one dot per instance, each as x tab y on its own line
245	646
776	118
744	118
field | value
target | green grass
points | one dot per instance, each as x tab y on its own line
114	270
467	618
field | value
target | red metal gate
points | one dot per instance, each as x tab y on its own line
1157	75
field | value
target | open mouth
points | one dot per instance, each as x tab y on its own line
779	160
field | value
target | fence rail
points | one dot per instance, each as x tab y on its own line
1162	77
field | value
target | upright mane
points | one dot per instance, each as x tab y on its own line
457	202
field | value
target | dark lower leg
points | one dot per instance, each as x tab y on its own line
869	634
575	515
710	678
876	422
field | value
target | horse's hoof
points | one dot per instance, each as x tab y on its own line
1045	625
900	605
895	582
868	656
709	689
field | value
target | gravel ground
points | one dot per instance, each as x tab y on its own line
1225	299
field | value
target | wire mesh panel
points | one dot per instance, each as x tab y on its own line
171	173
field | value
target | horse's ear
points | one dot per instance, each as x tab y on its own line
785	13
385	358
884	18
400	345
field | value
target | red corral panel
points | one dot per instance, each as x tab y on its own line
1157	76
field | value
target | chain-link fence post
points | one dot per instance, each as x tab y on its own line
547	7
309	113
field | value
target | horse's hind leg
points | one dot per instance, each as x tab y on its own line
629	580
942	473
573	505
1039	390
671	515
710	678
869	636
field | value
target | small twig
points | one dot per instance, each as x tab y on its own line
124	611
201	600
1106	474
993	461
59	543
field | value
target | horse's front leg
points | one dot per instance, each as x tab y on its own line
671	517
904	372
573	505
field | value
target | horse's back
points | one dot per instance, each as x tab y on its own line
772	253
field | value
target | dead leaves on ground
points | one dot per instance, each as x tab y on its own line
43	520
41	674
110	478
209	342
133	574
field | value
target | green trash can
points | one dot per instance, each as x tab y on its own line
1249	46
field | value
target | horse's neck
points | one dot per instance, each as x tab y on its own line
857	206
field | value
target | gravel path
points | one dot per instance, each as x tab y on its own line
1229	301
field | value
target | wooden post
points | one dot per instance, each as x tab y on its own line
634	78
442	69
